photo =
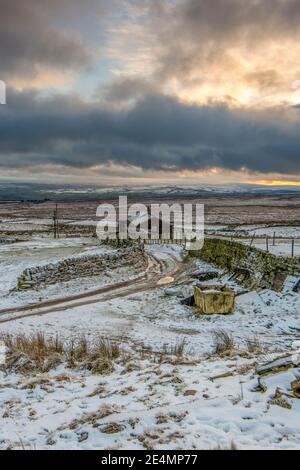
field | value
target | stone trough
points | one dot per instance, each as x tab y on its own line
214	299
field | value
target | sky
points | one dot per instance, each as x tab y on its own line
133	92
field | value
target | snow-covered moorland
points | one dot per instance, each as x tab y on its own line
118	362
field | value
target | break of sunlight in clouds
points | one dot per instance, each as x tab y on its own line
151	90
114	175
45	79
200	51
277	183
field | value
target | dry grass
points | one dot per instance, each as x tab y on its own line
35	346
177	349
40	353
254	345
100	348
223	342
112	428
92	418
232	446
281	402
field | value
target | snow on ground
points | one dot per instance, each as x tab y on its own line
69	288
280	231
85	223
155	319
164	252
149	405
15	258
151	400
281	247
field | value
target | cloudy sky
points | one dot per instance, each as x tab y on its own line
150	91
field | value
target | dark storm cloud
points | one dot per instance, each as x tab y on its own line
229	18
125	89
158	133
43	33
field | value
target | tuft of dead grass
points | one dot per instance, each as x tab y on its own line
112	428
232	446
92	418
254	345
223	342
178	349
37	352
281	402
36	346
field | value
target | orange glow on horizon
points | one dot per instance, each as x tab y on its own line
276	183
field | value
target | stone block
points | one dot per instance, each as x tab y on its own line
214	299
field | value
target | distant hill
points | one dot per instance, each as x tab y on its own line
15	191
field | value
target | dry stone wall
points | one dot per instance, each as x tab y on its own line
7	241
253	267
80	267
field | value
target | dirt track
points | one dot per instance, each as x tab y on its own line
156	271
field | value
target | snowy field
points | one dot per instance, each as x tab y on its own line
16	257
282	247
259	231
279	243
169	388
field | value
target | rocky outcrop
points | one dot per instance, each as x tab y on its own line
254	267
80	267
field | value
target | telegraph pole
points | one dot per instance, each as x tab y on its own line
55	222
